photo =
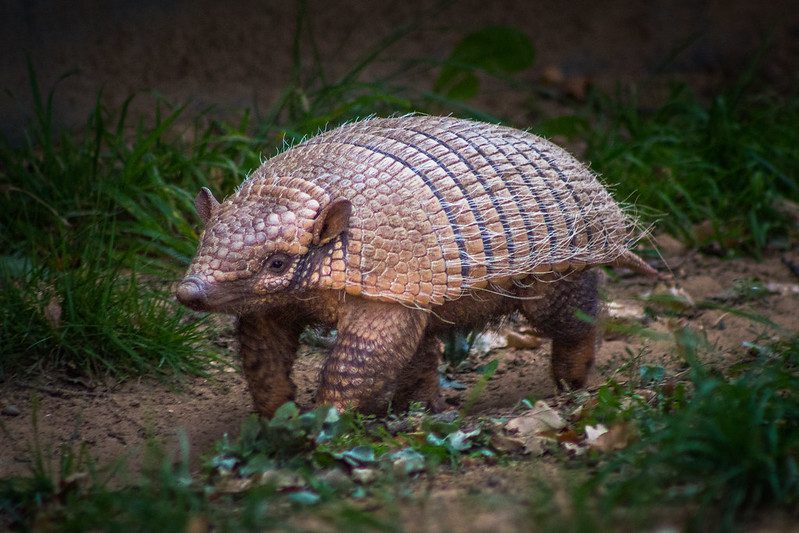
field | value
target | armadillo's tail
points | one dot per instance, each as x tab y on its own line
629	260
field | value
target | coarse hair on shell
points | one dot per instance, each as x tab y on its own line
439	207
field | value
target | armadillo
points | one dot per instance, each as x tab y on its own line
395	231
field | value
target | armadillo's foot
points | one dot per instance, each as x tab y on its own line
375	342
567	311
268	347
418	381
266	399
435	403
427	392
572	360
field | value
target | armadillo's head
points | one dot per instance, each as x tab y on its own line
264	245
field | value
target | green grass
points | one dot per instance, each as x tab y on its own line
76	494
133	181
96	319
94	228
729	163
711	450
732	449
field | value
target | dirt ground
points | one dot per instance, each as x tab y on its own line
116	420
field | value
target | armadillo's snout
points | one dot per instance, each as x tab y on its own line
193	292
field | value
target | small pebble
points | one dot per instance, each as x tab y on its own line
10	410
364	476
447	417
494	481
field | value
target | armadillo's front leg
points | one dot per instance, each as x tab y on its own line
268	346
375	341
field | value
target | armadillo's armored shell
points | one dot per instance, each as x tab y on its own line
442	205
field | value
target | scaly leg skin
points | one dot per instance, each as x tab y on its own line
574	341
418	381
375	342
268	347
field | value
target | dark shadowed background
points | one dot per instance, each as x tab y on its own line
237	55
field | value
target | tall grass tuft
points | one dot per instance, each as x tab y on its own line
94	227
97	318
721	170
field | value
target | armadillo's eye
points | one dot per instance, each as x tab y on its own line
278	263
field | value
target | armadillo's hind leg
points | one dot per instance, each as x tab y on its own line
375	342
567	311
268	347
418	381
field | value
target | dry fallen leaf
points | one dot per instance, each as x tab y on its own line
507	443
540	418
487	341
625	310
573	448
669	246
522	341
592	433
233	485
782	289
52	313
530	426
618	437
569	436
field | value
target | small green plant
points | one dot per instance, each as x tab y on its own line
750	289
730	447
499	51
701	448
134	181
457	345
300	450
295	459
82	497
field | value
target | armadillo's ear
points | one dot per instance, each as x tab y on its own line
206	204
331	221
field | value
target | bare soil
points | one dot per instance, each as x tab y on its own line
115	421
